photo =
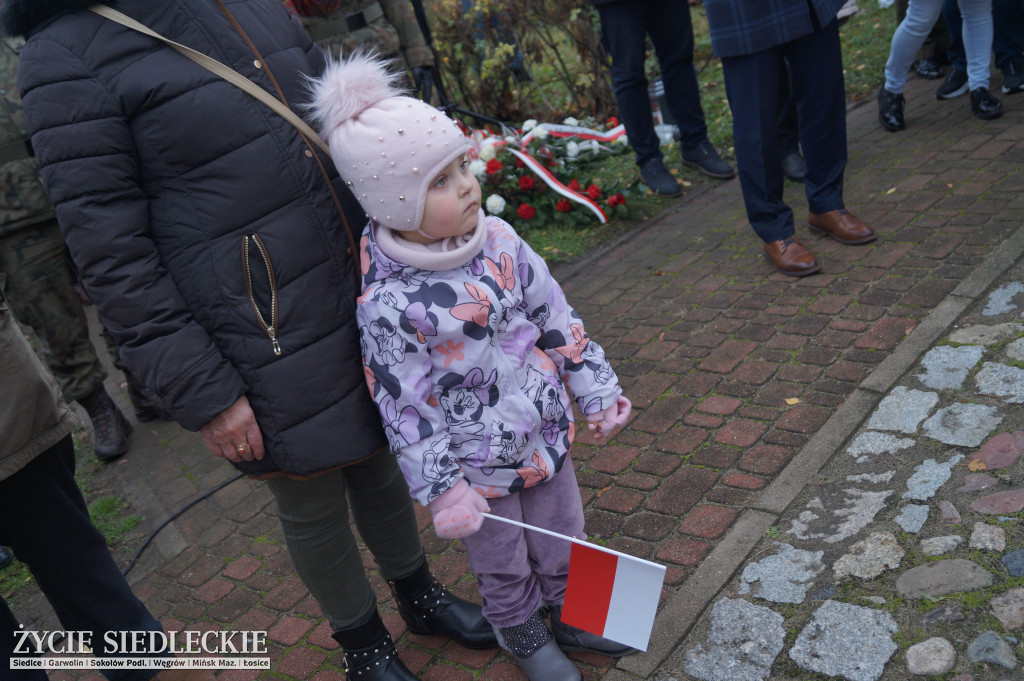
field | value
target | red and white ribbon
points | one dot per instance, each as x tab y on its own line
553	182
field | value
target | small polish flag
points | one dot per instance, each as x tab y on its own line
612	594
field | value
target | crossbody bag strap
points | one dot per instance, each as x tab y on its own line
280	107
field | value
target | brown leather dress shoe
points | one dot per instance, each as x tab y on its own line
790	257
841	225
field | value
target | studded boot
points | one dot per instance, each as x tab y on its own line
110	428
370	653
428	608
536	651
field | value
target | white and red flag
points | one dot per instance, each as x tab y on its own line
611	594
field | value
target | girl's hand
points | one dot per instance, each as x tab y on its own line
604	422
457	511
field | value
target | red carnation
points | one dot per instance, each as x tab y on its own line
525	211
563	206
526	182
574	185
493	166
519	163
616	200
594	192
612	122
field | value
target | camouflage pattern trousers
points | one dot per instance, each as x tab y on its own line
40	292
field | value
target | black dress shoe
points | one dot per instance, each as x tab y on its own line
656	176
704	158
793	166
984	105
428	608
890	110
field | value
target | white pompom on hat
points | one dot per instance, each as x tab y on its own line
387	147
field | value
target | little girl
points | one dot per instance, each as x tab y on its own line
465	336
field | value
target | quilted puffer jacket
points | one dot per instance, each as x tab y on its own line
200	219
464	365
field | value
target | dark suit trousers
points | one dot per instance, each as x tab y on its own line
752	85
625	26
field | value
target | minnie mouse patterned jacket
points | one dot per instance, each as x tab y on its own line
464	366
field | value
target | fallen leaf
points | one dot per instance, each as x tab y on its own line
792	400
687	183
891	190
602	490
661	336
977	465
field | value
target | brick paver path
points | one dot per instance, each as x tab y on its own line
731	367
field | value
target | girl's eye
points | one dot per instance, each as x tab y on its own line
464	165
441	181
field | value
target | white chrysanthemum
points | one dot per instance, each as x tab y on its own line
494	204
487	151
478	167
529	125
572	150
570	121
622	139
591	146
540	132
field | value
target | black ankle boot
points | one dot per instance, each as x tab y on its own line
370	653
890	110
429	608
110	428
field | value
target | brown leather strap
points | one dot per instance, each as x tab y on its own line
353	248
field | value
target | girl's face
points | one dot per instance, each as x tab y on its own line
452	205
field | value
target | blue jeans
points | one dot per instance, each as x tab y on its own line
624	27
44	519
912	31
1007	34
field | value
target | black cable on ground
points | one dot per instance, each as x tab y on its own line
175	515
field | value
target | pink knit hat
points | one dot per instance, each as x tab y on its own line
387	147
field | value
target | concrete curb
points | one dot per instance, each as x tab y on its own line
681	612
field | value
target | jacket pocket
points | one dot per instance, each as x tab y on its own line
261	286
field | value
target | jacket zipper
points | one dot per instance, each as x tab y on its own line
271	328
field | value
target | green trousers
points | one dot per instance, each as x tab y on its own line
314	515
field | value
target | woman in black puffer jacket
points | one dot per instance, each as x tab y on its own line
208	236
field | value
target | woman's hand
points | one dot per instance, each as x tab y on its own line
234	434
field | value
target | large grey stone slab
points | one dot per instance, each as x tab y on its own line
946	366
990	647
840	516
870	557
742	645
902	410
870	443
846	640
986	335
783	577
1009	608
988	537
943	577
1002	381
1003	299
929	476
875	478
931	657
940	546
912	518
962	424
1015	350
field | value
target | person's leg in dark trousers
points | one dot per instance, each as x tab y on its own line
45	521
624	32
752	86
789	133
819	92
668	24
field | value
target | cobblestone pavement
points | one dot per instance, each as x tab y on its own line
749	388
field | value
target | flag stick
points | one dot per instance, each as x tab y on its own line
568	538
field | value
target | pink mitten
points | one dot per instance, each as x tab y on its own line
457	511
607	420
